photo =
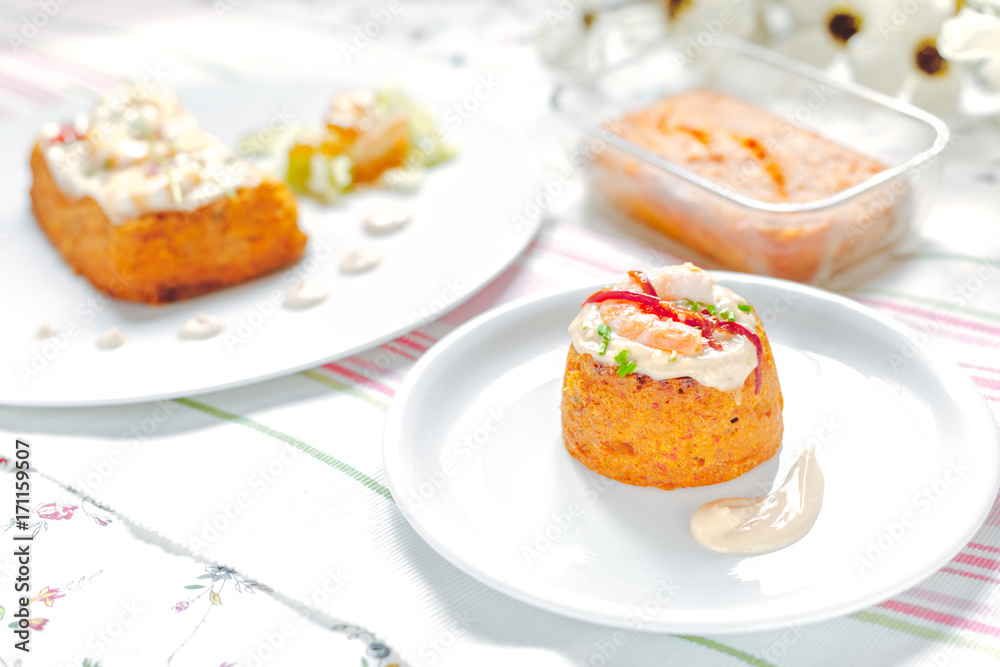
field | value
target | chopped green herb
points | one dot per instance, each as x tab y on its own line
626	369
673	355
711	309
584	327
726	315
745	308
605	332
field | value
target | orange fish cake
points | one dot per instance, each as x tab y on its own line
149	207
670	382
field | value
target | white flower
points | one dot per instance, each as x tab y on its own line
824	27
737	18
585	36
899	55
970	37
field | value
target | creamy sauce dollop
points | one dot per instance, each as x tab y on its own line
201	326
762	525
304	294
139	152
359	260
387	220
726	369
46	331
111	339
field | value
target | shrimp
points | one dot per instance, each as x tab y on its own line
684	282
674	283
628	321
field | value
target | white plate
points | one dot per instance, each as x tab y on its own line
474	458
461	237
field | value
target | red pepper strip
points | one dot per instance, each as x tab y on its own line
652	304
740	330
699	322
644	282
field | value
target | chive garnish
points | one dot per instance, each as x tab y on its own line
605	332
626	369
745	308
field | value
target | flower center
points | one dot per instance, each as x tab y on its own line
929	61
843	25
675	7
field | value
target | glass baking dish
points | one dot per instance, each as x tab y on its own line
808	241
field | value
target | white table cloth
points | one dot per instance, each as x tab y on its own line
253	526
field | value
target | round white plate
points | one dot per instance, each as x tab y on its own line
474	458
461	237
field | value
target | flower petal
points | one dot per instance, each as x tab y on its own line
938	94
970	36
878	62
715	17
813	46
811	13
912	19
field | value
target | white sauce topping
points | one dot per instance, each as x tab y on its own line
359	260
201	326
111	339
726	369
387	220
304	294
46	331
140	152
762	525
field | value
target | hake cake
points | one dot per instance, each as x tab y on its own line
149	207
670	382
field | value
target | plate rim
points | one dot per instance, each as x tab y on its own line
941	363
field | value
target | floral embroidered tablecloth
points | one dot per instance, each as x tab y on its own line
102	594
253	526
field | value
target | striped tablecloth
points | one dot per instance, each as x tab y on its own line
254	527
